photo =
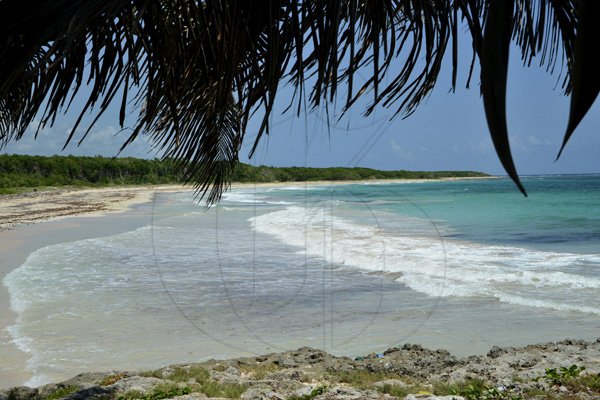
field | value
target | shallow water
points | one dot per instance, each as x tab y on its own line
350	269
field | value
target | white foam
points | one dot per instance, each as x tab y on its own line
244	197
241	197
42	289
299	188
37	381
437	266
20	341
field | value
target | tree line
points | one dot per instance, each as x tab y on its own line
249	173
18	171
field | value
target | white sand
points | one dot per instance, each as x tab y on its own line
34	207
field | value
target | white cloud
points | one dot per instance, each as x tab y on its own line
400	152
480	147
527	143
102	140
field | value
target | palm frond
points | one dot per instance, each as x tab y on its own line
585	67
196	71
494	70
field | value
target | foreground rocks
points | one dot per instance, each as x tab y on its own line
565	370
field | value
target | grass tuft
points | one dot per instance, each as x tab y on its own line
395	390
402	391
473	389
219	368
192	373
316	392
151	374
259	371
61	393
360	379
162	391
587	383
217	389
111	379
198	380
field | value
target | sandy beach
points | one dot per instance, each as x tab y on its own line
78	344
33	220
39	206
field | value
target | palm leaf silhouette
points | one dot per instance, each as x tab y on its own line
196	71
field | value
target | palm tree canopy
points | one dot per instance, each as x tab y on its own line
196	71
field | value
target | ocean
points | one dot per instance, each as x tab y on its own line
351	269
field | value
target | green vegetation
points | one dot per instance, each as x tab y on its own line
316	392
585	383
563	375
219	368
163	391
364	379
111	379
475	389
566	383
16	190
20	173
259	371
394	390
569	377
216	389
197	102
197	379
400	391
194	373
36	171
249	173
61	393
359	378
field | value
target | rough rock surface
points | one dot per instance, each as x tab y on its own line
306	373
431	397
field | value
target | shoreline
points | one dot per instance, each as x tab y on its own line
19	242
58	203
569	369
32	220
86	221
53	204
239	185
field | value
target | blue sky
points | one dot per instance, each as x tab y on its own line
447	132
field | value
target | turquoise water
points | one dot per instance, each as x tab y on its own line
351	269
459	238
560	213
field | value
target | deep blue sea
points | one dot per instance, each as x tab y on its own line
348	268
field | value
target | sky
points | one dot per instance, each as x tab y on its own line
447	132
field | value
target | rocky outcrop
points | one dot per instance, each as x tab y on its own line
568	369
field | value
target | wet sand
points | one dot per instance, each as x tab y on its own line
70	215
91	213
16	245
